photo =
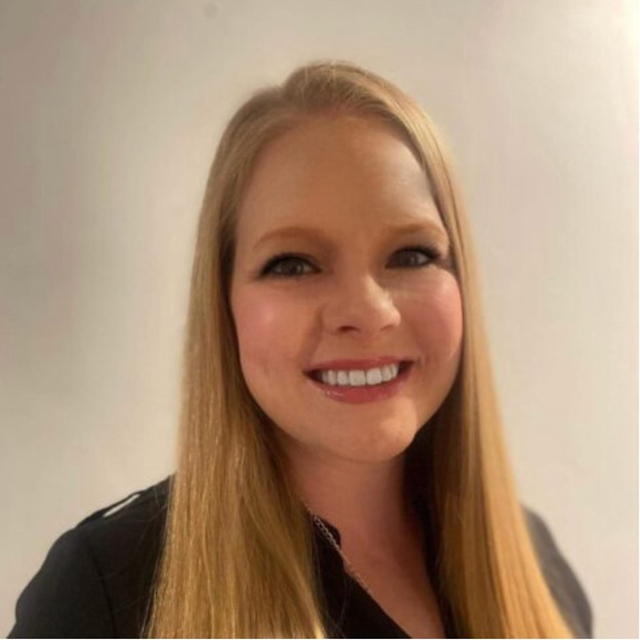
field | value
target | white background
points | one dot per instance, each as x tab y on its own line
110	112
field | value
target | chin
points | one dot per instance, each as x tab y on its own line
375	448
362	444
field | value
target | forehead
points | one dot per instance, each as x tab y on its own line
335	171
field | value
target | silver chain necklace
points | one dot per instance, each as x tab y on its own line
332	540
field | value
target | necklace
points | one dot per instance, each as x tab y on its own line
332	540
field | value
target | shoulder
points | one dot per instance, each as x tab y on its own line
561	579
96	579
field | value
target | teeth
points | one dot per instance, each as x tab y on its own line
372	377
388	373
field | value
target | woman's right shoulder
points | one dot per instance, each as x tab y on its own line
97	577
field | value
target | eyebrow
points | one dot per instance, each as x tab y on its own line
296	231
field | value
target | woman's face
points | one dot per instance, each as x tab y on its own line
329	195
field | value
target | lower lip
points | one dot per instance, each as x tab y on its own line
364	394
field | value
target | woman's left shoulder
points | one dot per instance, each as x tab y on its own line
562	580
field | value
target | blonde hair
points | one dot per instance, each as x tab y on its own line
237	558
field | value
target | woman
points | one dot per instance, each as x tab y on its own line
341	466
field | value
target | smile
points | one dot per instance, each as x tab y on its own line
357	378
361	386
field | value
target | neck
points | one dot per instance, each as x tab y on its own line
365	501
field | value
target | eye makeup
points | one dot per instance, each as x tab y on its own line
430	253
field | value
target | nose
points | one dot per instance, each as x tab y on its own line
361	306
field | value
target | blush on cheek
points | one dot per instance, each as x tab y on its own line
439	317
256	321
449	306
266	333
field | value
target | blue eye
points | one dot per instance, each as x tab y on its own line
287	264
428	254
293	266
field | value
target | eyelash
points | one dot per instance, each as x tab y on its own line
430	252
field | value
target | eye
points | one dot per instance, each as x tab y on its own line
293	266
418	256
285	266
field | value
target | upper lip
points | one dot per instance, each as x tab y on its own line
358	364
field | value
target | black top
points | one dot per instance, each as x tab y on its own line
96	579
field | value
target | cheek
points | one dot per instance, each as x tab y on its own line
436	318
267	331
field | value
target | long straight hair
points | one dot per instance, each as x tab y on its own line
237	556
